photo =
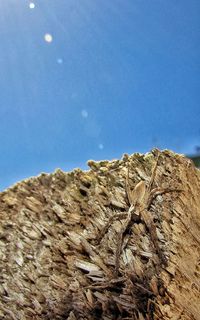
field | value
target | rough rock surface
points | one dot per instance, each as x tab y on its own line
101	244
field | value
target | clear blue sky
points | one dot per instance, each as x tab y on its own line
109	77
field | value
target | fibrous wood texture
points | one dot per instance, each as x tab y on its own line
120	241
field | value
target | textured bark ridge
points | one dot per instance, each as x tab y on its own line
120	241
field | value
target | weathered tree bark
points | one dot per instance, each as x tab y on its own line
101	244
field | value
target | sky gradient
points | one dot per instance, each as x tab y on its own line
95	79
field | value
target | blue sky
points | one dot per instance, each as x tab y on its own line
109	77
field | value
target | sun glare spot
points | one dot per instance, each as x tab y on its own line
31	5
101	146
84	113
48	37
60	61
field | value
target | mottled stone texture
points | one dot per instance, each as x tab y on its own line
98	245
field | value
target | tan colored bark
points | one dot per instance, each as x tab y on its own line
101	244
